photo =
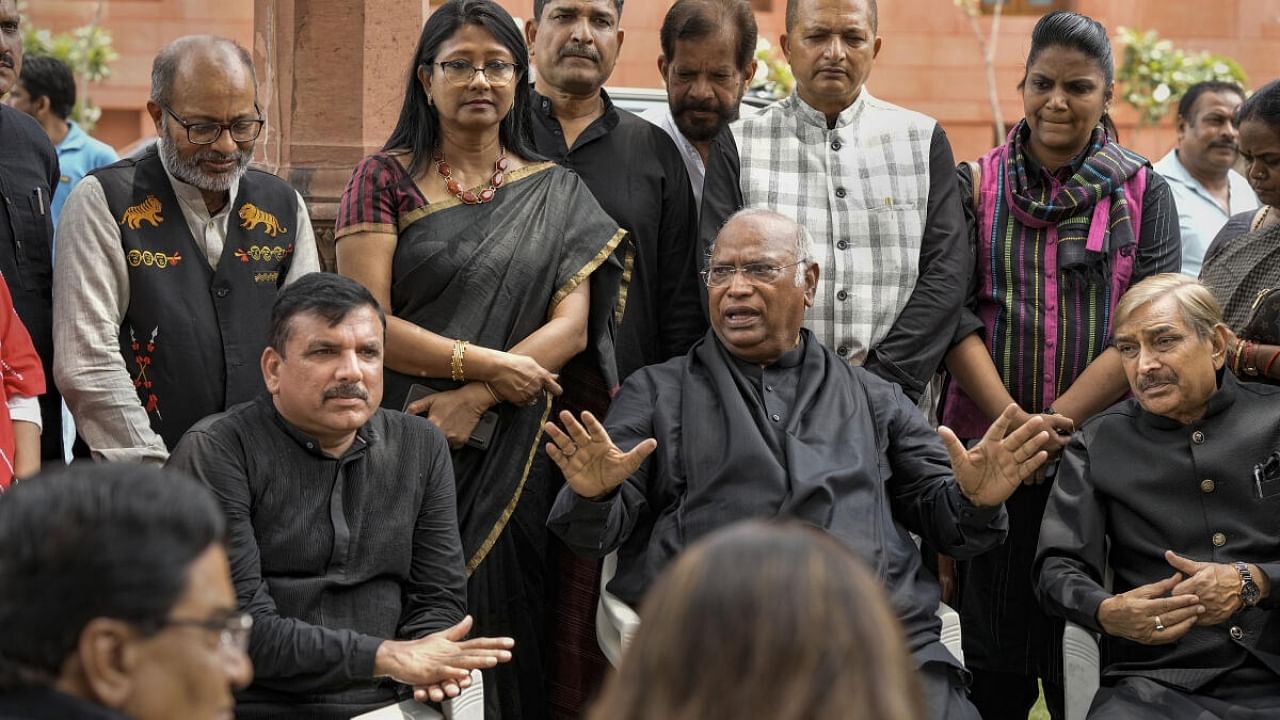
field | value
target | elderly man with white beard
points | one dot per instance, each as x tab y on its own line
167	262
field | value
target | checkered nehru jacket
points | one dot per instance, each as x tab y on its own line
862	190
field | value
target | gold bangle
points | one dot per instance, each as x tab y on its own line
455	363
492	394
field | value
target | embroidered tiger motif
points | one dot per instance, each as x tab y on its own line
253	217
148	210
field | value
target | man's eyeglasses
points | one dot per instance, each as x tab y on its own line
461	72
754	273
207	133
233	630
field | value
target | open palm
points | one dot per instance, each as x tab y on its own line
989	472
592	465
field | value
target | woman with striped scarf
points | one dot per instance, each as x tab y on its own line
1063	220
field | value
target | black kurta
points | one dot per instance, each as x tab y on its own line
1146	484
637	175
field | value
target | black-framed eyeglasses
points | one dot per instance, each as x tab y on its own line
207	133
233	630
461	72
754	273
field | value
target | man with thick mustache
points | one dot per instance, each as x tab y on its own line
28	173
171	259
341	520
874	183
1200	171
759	419
1176	492
632	168
708	60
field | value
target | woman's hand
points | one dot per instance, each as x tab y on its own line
520	380
455	412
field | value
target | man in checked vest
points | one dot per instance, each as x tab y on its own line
875	185
168	264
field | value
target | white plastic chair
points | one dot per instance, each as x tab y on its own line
617	623
1081	668
469	705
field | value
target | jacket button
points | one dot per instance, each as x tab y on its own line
1236	632
1197	437
836	146
840	192
776	417
222	292
842	350
842	295
1219	539
1206	486
842	244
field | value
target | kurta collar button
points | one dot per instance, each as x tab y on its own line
1236	632
1197	437
1219	539
777	417
1206	486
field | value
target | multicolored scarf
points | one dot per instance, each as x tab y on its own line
1089	209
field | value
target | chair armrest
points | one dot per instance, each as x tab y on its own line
951	639
1081	665
616	622
469	705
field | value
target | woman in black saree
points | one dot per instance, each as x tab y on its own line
1242	265
495	270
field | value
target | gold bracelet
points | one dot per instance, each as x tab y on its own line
492	394
455	363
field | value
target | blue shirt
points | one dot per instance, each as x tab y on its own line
78	155
1200	217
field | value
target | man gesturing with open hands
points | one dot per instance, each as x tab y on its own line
760	420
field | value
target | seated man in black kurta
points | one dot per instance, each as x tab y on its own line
1177	491
760	420
341	523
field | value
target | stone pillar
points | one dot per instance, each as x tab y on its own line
331	77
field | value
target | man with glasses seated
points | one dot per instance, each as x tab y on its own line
759	419
117	599
162	295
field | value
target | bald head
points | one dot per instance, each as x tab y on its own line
200	59
780	231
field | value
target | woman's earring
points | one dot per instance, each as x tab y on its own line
430	101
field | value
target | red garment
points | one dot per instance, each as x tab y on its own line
20	374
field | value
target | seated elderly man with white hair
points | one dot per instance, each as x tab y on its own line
1177	491
760	420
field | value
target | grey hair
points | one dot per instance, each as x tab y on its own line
1199	308
164	69
803	240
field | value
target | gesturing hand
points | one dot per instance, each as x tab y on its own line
592	465
1145	616
990	472
440	662
1217	585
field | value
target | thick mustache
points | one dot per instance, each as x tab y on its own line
346	391
1148	381
582	51
1224	144
7	60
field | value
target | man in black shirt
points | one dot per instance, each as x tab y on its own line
341	520
632	167
28	172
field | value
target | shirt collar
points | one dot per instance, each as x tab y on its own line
543	108
1219	402
810	116
366	436
75	138
191	197
1171	168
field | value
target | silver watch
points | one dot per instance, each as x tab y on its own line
1249	592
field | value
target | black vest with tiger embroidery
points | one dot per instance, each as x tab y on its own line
192	337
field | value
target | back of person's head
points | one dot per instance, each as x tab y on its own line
329	295
775	621
417	130
93	541
692	20
1262	106
1073	31
48	77
1187	104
